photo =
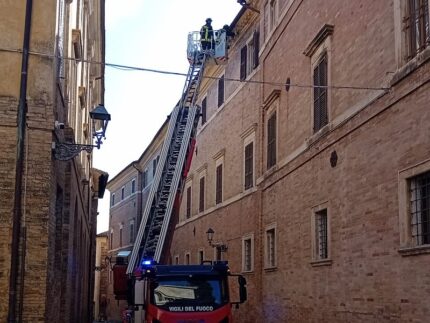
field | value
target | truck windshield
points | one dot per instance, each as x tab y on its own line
189	294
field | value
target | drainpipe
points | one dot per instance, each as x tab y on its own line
19	169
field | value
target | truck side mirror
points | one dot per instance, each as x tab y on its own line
242	289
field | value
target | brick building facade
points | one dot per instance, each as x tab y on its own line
318	190
48	207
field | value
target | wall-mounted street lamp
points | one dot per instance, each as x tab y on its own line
220	246
107	264
99	120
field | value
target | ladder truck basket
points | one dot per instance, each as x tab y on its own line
218	51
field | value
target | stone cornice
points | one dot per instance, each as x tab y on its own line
324	32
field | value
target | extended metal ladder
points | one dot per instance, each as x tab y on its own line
169	176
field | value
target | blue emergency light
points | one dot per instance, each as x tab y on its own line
148	262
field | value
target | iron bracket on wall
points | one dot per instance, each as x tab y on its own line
65	151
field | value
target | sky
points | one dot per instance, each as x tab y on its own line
149	34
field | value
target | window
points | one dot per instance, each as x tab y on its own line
113	199
271	140
218	189
133	186
220	91
122	192
420	208
188	211
249	165
120	235
320	93
154	167
248	253
243	62
270	247
111	239
176	260
131	231
416	27
321	234
200	256
187	258
145	178
202	194
273	14
204	108
218	254
249	56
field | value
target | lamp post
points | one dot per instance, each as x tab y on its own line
99	119
220	246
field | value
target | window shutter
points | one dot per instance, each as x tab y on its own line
202	195
188	202
256	47
218	198
249	151
271	141
320	94
221	91
243	62
204	107
323	91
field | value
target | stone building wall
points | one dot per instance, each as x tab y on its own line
58	203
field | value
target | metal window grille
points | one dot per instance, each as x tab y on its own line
249	167
243	62
188	202
420	208
202	195
204	108
113	200
247	255
270	245
320	94
416	27
271	141
221	91
122	193
218	197
133	186
321	234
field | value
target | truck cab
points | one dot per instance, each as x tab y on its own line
188	293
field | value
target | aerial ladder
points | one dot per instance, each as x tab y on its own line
154	233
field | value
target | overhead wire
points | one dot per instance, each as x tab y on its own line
158	71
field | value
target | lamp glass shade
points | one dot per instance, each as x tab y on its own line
210	234
100	113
